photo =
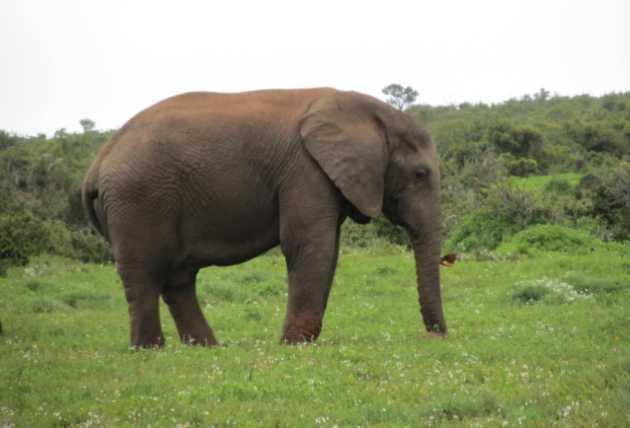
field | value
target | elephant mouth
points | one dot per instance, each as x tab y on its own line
390	209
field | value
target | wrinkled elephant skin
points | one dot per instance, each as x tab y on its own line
204	179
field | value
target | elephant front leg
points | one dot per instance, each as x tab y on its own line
181	298
311	261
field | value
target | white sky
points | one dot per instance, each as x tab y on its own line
70	59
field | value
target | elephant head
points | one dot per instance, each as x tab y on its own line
382	162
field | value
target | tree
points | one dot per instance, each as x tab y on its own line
6	140
518	141
400	97
87	125
542	95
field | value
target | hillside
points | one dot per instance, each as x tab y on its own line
483	148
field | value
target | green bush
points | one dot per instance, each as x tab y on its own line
377	233
595	227
58	239
518	141
587	186
560	204
520	167
357	235
88	246
505	211
21	235
476	231
389	231
550	237
611	201
523	167
463	186
601	137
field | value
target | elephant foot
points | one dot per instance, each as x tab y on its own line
149	342
304	329
208	340
193	328
145	328
434	335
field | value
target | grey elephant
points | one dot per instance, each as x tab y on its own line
203	179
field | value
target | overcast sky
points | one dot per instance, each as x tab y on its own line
70	59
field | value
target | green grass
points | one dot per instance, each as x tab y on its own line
515	355
537	183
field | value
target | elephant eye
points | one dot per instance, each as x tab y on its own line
422	173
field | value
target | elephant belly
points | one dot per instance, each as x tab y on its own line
229	227
198	204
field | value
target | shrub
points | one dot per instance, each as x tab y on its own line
505	211
516	206
520	167
21	235
391	232
88	246
476	231
587	185
357	235
611	201
550	237
598	137
58	239
595	227
463	186
520	142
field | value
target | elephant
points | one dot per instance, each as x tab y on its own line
214	179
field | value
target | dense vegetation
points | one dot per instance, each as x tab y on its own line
580	145
40	206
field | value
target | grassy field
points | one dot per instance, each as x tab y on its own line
533	341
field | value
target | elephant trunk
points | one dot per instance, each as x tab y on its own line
426	249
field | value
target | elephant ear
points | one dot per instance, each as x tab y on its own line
350	147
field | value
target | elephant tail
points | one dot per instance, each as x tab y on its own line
90	199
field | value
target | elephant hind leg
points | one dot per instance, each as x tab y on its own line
142	291
180	296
